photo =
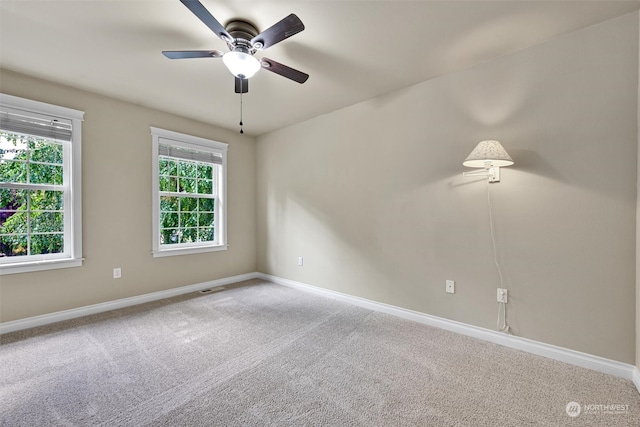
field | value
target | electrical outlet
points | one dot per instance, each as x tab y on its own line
300	261
117	273
502	295
450	286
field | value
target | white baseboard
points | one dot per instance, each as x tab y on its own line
572	357
73	313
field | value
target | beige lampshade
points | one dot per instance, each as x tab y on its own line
488	153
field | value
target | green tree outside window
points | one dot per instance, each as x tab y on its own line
31	219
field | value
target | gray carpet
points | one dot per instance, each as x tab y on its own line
260	354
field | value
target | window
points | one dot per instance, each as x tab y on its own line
40	187
189	194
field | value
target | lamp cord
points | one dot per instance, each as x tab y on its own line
502	306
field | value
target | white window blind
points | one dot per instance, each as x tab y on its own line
187	154
33	124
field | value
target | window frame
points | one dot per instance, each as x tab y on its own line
180	140
72	189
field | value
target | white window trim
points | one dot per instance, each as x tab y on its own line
74	258
180	139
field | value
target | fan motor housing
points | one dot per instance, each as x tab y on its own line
242	33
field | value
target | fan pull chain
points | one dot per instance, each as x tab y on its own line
241	90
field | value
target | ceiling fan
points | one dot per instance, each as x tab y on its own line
244	41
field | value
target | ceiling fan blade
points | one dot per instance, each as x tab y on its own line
279	31
207	18
283	70
183	54
242	85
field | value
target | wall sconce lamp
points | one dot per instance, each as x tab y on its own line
489	155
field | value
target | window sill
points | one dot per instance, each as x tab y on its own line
188	251
28	267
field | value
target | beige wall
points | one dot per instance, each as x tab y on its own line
638	229
117	208
373	198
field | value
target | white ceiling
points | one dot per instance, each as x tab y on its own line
353	50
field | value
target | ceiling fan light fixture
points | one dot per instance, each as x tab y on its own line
241	64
